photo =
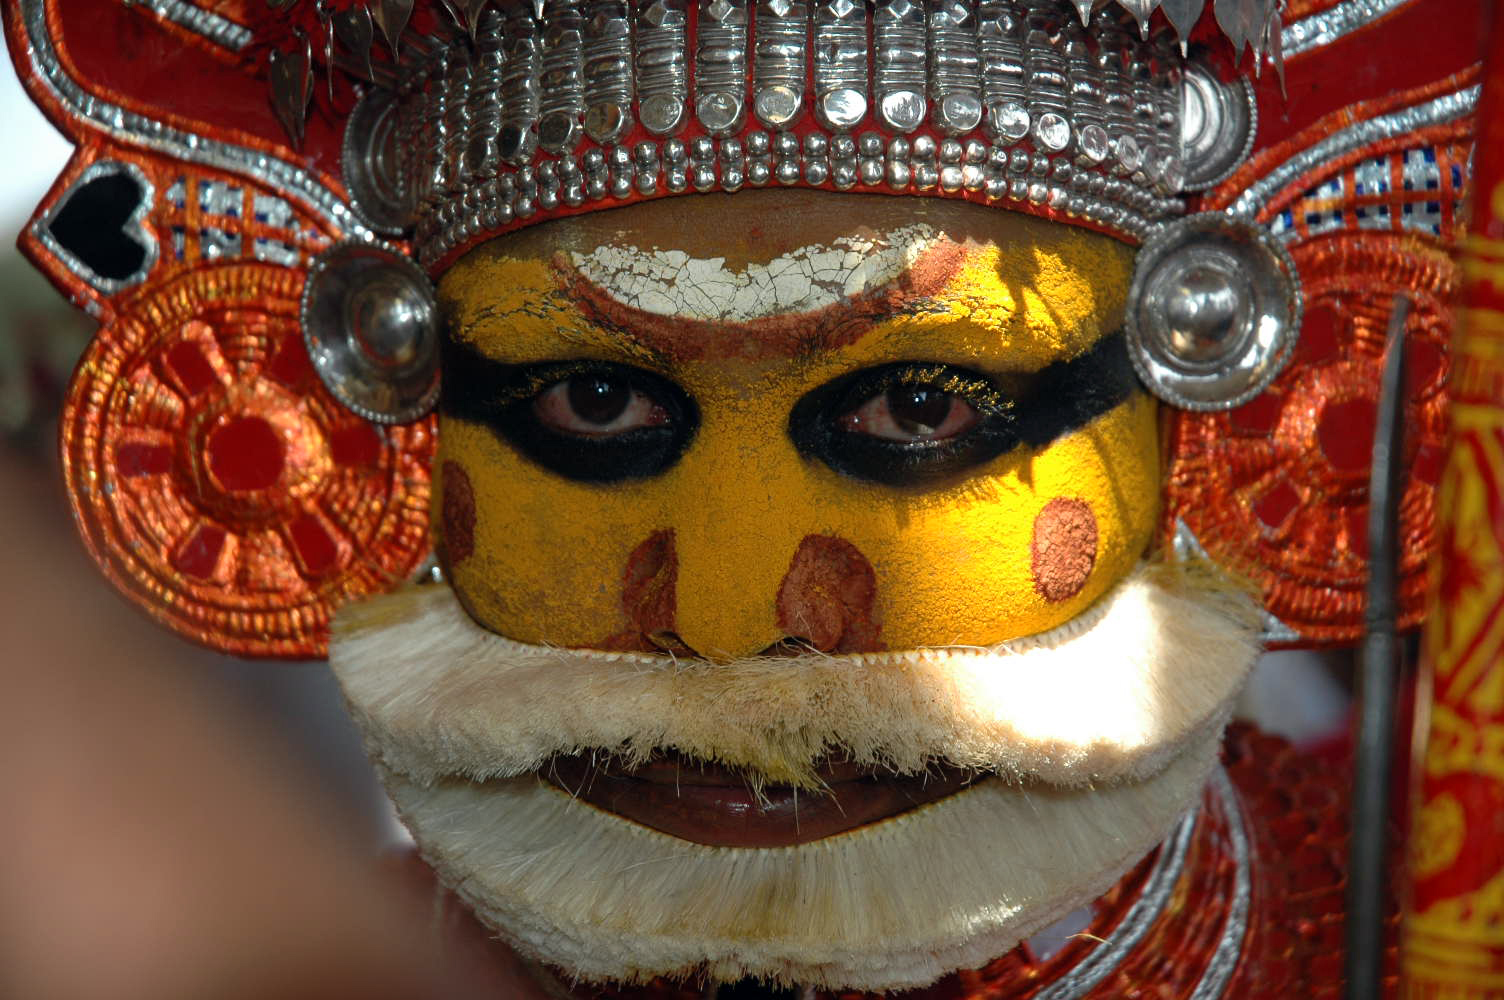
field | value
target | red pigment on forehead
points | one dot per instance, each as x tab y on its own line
649	597
827	595
1064	549
458	514
789	335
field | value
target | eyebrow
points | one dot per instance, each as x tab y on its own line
791	335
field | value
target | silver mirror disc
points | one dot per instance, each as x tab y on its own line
372	329
1214	311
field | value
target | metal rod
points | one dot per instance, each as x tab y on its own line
1367	882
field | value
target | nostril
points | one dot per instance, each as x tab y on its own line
827	597
793	645
670	642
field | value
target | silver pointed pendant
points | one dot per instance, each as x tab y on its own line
356	32
1277	50
1230	20
1083	7
473	11
291	77
1183	15
537	10
329	57
1254	23
391	17
1140	9
1268	28
455	11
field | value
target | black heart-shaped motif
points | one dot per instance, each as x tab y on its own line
95	225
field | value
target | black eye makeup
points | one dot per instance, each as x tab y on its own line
917	423
592	421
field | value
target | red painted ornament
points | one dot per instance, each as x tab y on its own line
219	484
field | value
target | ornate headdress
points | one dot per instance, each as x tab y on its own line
245	441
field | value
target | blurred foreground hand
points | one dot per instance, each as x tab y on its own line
155	840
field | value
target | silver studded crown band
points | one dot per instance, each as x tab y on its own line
1051	107
544	109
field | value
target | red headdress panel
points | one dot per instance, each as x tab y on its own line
214	478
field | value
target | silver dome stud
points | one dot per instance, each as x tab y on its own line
372	329
1213	312
369	165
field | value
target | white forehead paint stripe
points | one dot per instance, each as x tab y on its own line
672	283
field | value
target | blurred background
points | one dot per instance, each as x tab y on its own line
42	335
176	823
183	824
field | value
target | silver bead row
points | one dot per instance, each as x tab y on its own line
1021	72
950	166
1023	64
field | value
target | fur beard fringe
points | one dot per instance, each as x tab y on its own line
893	905
1109	695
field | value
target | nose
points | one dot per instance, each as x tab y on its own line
728	579
757	561
742	509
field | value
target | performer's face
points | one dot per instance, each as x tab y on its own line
716	425
748	495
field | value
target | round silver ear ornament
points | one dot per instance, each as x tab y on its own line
372	329
369	165
1213	312
1218	122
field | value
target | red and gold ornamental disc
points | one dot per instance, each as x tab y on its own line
217	481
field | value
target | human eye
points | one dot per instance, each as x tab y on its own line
912	414
908	423
914	423
598	405
592	421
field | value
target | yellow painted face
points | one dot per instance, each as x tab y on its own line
713	424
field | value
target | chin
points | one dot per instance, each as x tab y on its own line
867	822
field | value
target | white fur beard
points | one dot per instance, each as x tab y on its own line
892	905
1106	696
1104	728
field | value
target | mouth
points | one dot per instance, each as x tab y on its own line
710	804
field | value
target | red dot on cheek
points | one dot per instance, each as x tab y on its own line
458	514
1065	548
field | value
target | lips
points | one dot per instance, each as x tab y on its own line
709	804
